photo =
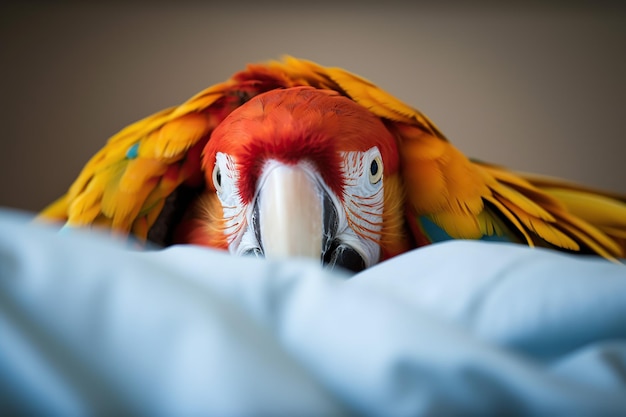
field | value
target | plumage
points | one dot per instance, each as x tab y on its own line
295	110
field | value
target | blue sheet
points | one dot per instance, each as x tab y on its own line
90	326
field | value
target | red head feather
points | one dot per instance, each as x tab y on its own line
295	124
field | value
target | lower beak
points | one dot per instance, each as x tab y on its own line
290	213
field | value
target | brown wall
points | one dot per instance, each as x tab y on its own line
535	88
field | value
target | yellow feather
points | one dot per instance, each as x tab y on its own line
518	183
547	182
102	222
466	184
202	100
126	206
613	231
595	209
143	126
379	101
302	72
55	211
86	206
79	184
81	213
591	242
459	225
98	166
138	172
522	202
547	231
439	178
591	233
140	228
181	134
490	224
110	181
502	209
575	214
149	149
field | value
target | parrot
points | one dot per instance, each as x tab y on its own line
289	158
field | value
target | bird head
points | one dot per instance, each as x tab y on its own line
302	172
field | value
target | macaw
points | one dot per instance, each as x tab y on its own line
291	158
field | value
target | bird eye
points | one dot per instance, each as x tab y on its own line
217	178
376	170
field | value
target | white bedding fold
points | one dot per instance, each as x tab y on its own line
90	327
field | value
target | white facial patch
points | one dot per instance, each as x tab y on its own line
361	224
225	177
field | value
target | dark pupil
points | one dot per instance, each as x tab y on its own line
218	177
374	167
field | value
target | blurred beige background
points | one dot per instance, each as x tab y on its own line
536	88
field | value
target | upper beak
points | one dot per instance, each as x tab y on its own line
296	217
291	214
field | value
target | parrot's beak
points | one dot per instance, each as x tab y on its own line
296	217
290	213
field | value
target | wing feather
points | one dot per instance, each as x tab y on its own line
496	220
126	183
452	191
130	177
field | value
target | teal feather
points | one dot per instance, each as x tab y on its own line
436	234
133	151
